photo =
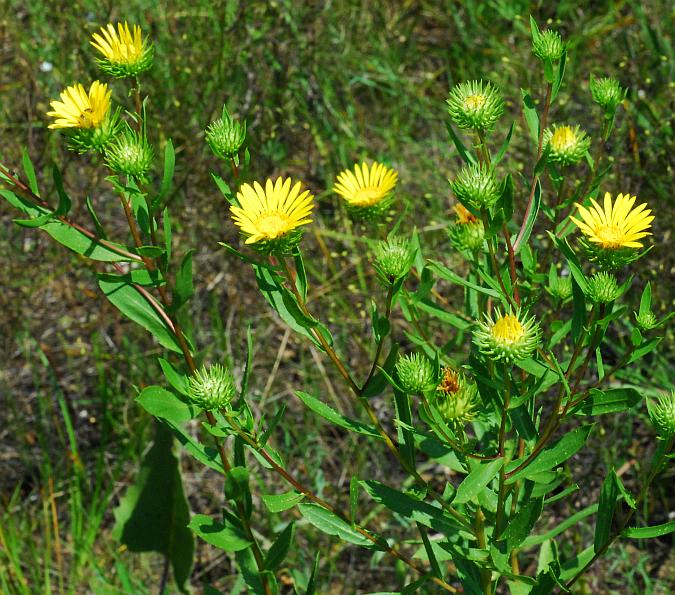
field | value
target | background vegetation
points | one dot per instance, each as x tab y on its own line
321	84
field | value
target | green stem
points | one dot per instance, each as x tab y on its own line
501	498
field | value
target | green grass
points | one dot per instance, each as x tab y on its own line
320	85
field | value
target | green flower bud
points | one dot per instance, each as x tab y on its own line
603	288
662	414
566	145
560	288
607	93
467	233
393	259
456	398
130	154
507	337
646	321
474	104
415	373
548	45
225	136
476	186
96	139
211	387
124	51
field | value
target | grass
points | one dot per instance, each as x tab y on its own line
320	85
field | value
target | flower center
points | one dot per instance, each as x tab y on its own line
563	138
610	236
87	119
508	329
365	197
475	102
273	224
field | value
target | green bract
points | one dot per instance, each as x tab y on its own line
475	104
566	144
662	414
508	337
607	93
603	288
456	398
561	288
130	154
476	186
548	45
211	387
415	373
225	136
393	258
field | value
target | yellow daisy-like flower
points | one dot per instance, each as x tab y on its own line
615	226
122	46
366	187
272	212
79	109
124	51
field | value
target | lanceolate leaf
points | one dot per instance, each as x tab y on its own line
614	400
222	534
552	456
332	524
135	306
649	532
165	405
336	418
65	234
481	475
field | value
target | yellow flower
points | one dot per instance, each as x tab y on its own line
616	226
77	109
272	212
507	329
366	187
121	46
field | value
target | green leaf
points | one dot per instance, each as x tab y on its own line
332	524
481	475
277	553
301	274
336	418
649	532
184	287
531	117
646	300
531	218
94	217
600	402
224	535
65	234
285	304
572	260
153	514
552	456
29	170
433	309
559	76
236	483
64	200
167	178
445	273
465	155
281	502
168	236
611	492
165	405
533	540
248	567
522	523
311	583
411	508
176	379
134	305
504	147
36	222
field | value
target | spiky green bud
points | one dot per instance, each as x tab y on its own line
96	139
548	45
560	288
211	387
225	136
130	154
646	320
603	288
508	337
662	414
393	258
456	398
415	373
607	93
566	145
476	186
475	104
